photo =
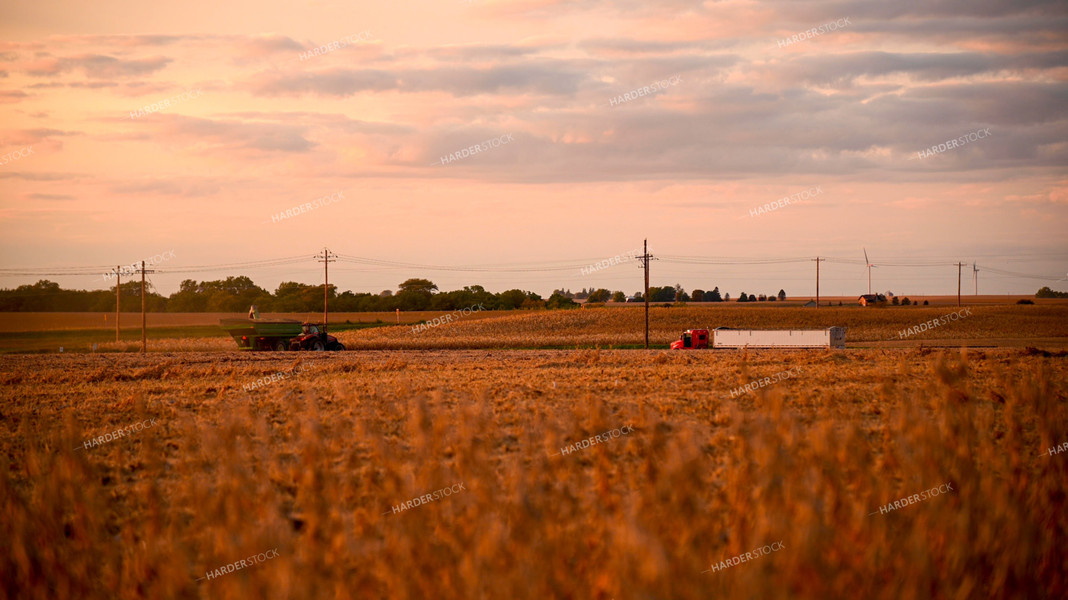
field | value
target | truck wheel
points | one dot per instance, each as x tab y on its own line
316	346
281	346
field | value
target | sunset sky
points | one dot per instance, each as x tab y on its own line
745	119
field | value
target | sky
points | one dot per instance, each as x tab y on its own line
838	107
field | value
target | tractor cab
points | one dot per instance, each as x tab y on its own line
312	337
691	339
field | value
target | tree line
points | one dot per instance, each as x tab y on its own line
236	294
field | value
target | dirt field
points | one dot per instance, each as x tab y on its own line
314	466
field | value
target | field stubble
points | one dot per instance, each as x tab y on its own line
625	326
308	465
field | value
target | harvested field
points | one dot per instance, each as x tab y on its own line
624	326
311	465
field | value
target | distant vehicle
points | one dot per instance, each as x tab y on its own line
723	337
279	335
692	339
633	299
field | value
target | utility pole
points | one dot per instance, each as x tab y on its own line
959	265
326	257
818	261
118	300
144	336
645	258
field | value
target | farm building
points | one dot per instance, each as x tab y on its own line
871	299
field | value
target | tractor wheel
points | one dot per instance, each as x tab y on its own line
316	346
337	347
281	346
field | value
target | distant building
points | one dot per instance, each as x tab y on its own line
809	304
871	299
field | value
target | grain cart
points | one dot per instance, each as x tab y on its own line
255	333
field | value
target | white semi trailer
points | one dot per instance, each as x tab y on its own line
831	337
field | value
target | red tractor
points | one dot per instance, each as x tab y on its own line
311	338
692	339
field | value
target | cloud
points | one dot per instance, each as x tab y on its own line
12	96
170	186
97	66
545	78
223	135
69	177
844	69
57	197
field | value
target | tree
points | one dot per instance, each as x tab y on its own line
511	299
422	286
558	300
619	297
905	301
680	294
697	296
895	301
743	298
714	296
664	294
599	295
726	297
782	295
1046	292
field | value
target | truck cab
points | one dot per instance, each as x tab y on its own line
691	339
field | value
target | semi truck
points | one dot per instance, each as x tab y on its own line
725	337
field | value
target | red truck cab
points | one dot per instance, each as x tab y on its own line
692	339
